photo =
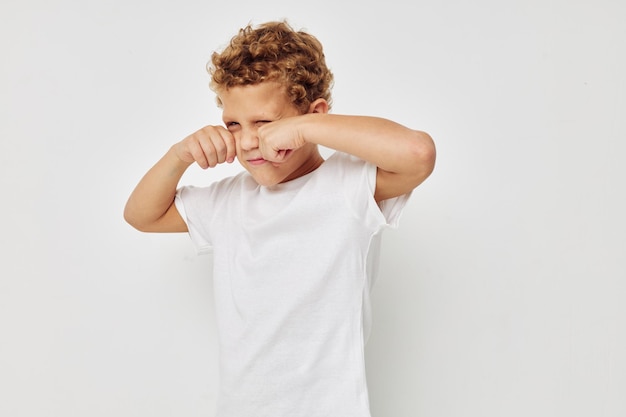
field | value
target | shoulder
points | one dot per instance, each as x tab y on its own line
353	174
342	161
216	190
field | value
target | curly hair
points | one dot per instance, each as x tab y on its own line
274	51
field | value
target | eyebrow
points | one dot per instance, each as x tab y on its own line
266	117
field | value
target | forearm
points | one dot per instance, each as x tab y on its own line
154	194
388	145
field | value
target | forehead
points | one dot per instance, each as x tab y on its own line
267	98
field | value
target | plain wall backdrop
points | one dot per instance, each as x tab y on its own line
502	292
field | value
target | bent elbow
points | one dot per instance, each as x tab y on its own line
134	220
131	220
423	154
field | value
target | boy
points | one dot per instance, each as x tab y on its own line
294	237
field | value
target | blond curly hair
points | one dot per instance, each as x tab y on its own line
274	51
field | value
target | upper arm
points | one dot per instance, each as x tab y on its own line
170	222
420	162
390	185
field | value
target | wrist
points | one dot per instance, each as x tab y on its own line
174	166
174	157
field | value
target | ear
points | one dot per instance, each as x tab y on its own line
319	106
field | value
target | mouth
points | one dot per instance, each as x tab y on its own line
256	161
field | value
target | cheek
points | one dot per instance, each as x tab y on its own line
238	148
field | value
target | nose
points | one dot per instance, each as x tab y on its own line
249	139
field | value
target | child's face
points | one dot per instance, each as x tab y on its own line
245	109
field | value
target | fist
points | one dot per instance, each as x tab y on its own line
278	139
208	147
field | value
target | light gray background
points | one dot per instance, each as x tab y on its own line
502	293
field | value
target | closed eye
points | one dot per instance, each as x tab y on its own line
232	125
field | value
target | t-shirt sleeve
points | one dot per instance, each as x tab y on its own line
392	209
191	203
384	214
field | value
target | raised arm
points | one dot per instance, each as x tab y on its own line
150	207
404	157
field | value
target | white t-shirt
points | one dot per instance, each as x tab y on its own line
293	268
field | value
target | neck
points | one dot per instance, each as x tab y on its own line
311	164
